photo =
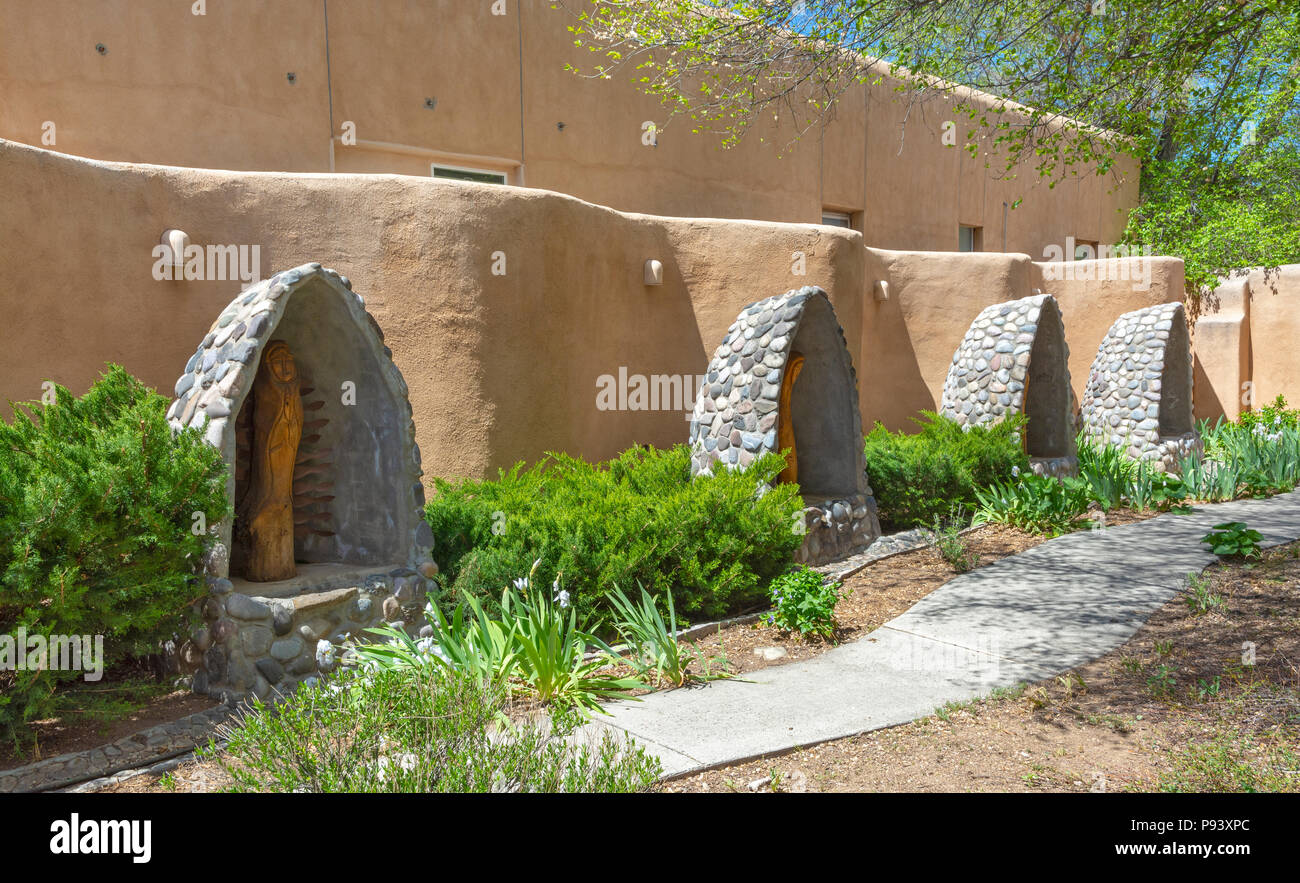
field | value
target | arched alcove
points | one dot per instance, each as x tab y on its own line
294	386
1139	394
1047	389
1012	360
1175	396
783	377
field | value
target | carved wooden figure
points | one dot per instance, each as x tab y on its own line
267	507
785	421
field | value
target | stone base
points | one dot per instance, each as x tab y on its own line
1055	467
1168	453
251	645
837	528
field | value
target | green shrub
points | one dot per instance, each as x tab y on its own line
420	730
97	502
1272	417
1035	504
803	602
714	541
920	477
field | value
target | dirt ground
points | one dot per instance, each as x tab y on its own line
873	596
98	724
1205	697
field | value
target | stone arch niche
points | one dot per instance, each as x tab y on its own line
784	374
347	482
1014	360
1139	394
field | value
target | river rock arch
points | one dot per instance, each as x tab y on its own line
1139	394
783	371
360	544
1014	360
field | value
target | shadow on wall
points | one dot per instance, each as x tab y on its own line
621	356
893	388
1208	405
824	407
1047	390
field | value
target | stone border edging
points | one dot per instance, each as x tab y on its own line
147	747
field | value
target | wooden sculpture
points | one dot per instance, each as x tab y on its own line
267	506
785	420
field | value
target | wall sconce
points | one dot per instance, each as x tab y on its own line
880	290
177	241
654	273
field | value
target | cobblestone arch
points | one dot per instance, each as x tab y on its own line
357	482
361	547
738	416
1139	394
1014	359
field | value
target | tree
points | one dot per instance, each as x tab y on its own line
1204	92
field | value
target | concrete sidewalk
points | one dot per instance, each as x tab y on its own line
1024	618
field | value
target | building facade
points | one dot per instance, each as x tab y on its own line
480	89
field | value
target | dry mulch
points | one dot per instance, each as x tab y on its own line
1175	708
72	732
876	594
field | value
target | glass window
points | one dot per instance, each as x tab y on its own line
480	175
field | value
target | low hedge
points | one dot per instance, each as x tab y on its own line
922	476
97	503
714	541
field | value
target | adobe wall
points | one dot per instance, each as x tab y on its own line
505	367
1093	294
500	367
212	91
934	296
1274	319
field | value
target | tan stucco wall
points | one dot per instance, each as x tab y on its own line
933	297
1275	334
506	367
211	92
1222	368
500	368
1096	293
910	337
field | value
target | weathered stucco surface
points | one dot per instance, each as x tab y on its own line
212	91
505	307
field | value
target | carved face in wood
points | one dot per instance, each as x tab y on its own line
279	362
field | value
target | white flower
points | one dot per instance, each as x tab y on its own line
404	762
325	653
522	584
1015	471
563	598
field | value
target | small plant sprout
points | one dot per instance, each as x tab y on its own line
1200	599
1233	539
804	602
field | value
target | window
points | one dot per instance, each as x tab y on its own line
970	238
460	174
837	219
1085	250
